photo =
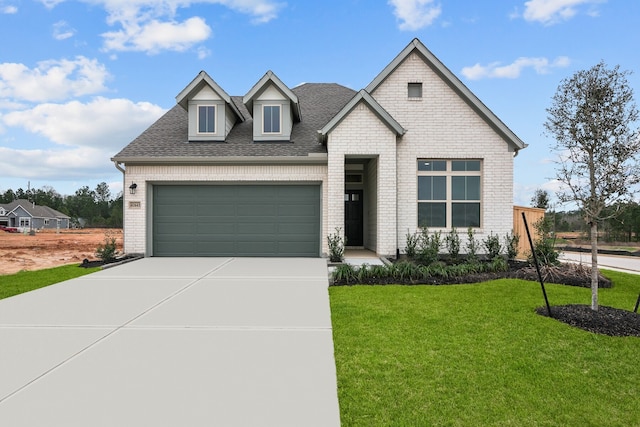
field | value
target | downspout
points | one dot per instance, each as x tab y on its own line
117	165
124	211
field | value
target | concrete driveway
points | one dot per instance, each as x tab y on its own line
173	342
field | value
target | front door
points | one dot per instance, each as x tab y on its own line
353	217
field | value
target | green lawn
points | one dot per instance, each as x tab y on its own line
25	281
478	355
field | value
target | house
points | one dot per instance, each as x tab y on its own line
25	214
274	172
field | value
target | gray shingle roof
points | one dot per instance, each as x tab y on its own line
167	138
36	211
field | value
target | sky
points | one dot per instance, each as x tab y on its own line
80	79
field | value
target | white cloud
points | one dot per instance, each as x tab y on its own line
553	11
156	36
51	80
103	122
415	14
62	31
8	10
513	70
78	162
150	25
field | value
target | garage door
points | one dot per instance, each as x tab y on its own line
236	220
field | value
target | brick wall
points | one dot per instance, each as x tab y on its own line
442	125
362	134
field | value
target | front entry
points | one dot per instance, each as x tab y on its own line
353	222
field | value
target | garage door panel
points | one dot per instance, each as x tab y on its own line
217	209
240	220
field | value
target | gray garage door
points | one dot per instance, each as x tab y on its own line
236	220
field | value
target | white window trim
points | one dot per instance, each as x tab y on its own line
24	221
215	119
279	117
449	196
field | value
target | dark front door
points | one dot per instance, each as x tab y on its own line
353	217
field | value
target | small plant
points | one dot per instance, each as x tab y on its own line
363	273
428	246
336	246
107	251
412	243
472	247
498	264
344	273
545	245
492	245
452	242
511	242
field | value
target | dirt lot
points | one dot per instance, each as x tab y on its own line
50	249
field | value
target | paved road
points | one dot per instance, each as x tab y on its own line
627	264
173	342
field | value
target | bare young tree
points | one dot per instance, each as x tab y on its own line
592	119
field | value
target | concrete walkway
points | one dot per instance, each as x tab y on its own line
173	342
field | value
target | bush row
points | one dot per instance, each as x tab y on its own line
407	272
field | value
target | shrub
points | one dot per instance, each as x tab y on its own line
472	247
336	246
545	245
107	251
428	246
412	243
452	242
511	242
492	245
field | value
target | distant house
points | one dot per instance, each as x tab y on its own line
274	172
25	214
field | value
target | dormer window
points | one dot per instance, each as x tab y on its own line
206	119
271	119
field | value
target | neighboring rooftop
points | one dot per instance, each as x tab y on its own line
36	211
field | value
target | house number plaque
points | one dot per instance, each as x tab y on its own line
134	205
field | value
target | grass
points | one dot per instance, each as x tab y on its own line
25	281
470	355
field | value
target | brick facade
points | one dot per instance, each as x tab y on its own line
442	125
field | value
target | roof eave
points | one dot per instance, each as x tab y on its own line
312	158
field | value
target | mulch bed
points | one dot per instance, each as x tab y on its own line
606	320
100	263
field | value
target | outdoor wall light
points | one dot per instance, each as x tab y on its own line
132	188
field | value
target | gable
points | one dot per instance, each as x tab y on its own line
206	94
360	100
416	58
270	93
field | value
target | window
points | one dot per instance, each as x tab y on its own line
206	119
271	119
414	90
25	222
449	193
